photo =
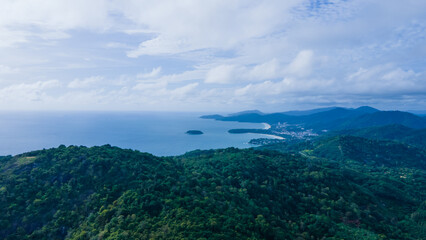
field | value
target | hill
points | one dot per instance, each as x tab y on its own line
344	148
395	132
307	112
110	193
329	119
385	118
334	119
246	112
372	152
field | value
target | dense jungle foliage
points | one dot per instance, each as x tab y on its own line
315	192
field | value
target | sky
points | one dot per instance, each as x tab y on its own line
213	55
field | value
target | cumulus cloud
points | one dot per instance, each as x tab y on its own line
301	66
154	73
191	25
220	74
27	92
48	19
7	70
383	80
151	86
55	14
267	70
86	82
216	53
183	91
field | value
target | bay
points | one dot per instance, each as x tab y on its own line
159	133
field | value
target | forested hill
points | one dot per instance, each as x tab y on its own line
330	118
395	132
110	193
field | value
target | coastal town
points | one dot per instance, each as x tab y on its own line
276	133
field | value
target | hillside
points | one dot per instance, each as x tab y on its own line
395	132
384	118
331	119
371	152
350	149
308	112
110	193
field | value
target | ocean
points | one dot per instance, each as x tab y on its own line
162	134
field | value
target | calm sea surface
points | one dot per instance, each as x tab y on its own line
161	134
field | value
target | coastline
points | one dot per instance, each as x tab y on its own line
270	135
266	126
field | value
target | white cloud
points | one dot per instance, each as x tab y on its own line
287	86
7	70
10	37
216	53
267	70
183	91
301	66
183	26
384	79
117	45
55	14
48	19
221	74
154	73
151	86
86	82
26	92
185	76
161	46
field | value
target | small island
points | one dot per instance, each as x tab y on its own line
194	132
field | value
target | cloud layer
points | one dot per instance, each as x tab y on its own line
211	56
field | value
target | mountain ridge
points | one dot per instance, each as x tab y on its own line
336	118
111	193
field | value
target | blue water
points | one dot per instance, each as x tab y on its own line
161	134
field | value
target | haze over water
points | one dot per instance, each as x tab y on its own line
161	134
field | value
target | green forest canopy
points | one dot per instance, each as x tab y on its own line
112	193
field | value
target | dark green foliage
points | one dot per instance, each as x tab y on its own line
383	118
371	152
243	130
396	132
110	193
194	132
265	141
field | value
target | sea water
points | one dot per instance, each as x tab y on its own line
162	134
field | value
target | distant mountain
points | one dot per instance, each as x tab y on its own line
327	119
336	118
395	132
246	112
254	117
366	109
213	116
255	113
317	115
382	118
307	112
418	112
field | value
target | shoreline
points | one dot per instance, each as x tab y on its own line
270	135
266	126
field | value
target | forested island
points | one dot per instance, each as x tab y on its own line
194	132
338	187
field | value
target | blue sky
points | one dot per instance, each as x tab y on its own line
213	55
